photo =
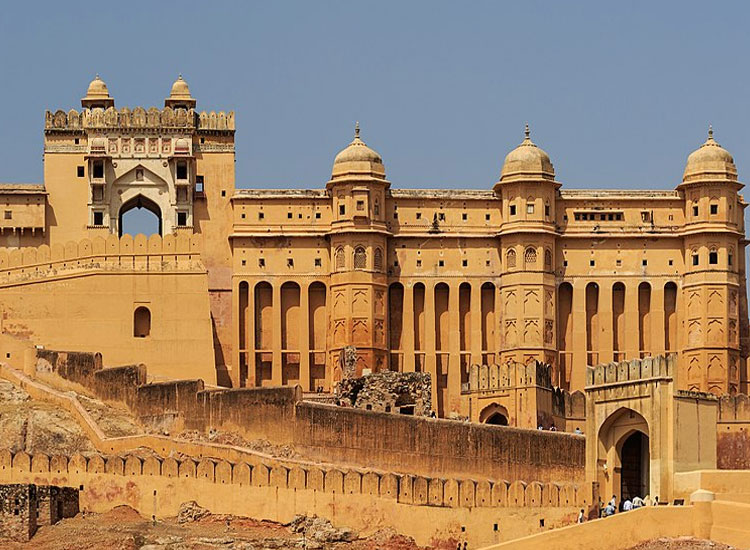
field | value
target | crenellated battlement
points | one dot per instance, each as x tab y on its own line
124	119
404	489
633	370
508	375
140	253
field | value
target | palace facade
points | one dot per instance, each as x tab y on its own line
267	287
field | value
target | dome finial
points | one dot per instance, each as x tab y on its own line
527	132
356	130
710	132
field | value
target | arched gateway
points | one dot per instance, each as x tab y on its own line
635	417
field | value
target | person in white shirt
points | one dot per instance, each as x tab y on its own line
627	505
638	502
581	518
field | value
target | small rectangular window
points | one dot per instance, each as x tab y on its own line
317	215
464	216
261	262
139	174
181	170
242	215
695	210
419	215
419	263
261	215
530	208
289	215
223	192
465	263
79	171
441	216
714	209
98	170
671	262
488	263
546	210
290	262
318	262
441	263
729	260
98	218
486	217
342	209
618	263
565	263
244	262
713	257
695	259
181	219
199	184
395	215
644	262
645	216
360	205
592	263
8	215
512	209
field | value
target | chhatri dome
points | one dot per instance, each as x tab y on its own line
357	151
97	95
527	161
357	160
709	161
180	96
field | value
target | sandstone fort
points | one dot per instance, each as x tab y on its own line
458	365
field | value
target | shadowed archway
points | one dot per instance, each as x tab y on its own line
139	202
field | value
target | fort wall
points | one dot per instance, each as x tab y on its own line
433	510
351	436
97	288
733	432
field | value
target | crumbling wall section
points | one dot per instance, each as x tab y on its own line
396	392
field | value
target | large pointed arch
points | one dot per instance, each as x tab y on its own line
140	201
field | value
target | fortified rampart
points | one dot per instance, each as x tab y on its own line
336	434
140	299
432	510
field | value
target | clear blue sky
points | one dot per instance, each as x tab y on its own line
618	95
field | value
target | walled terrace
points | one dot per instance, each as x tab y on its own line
475	485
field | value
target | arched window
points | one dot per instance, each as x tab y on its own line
141	322
376	208
378	260
713	256
340	259
511	258
548	259
360	258
530	256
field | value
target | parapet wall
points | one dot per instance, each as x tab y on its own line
446	447
111	118
630	371
435	511
180	252
406	489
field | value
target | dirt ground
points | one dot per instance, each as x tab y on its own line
124	529
682	543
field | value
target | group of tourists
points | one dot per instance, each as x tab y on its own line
611	507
